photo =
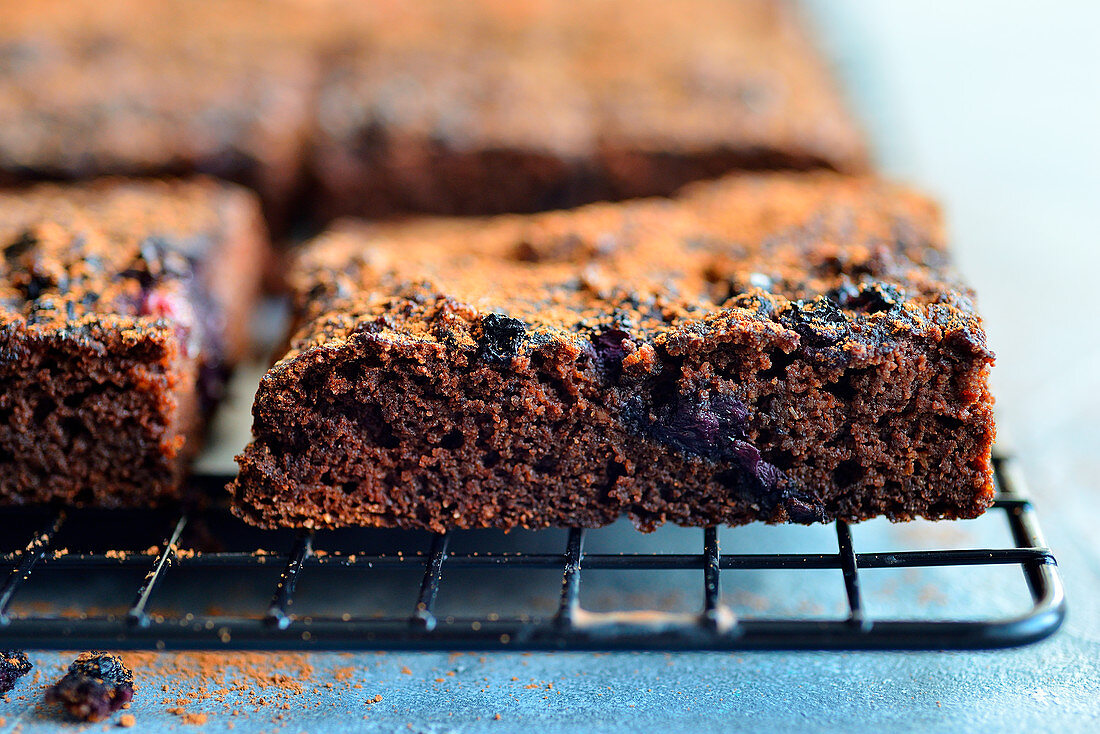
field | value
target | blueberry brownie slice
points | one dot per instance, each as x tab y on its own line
138	88
491	106
787	348
122	304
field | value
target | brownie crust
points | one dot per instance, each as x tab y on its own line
787	348
122	306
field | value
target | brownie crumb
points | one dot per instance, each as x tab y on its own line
97	685
13	666
188	717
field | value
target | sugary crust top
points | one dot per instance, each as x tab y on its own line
822	258
110	255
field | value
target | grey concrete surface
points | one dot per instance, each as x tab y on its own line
993	106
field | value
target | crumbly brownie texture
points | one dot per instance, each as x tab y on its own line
780	348
122	303
492	106
96	685
13	666
131	87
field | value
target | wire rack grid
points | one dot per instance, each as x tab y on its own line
571	627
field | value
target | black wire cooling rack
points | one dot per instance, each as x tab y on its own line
68	554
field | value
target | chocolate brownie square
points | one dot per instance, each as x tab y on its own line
138	88
122	305
493	106
783	347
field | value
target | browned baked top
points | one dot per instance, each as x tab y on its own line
575	79
834	258
116	254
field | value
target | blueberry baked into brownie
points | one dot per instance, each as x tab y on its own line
787	348
122	304
489	106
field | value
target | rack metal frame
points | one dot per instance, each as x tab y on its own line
570	628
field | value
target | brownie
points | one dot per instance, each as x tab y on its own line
778	347
492	106
96	685
122	305
14	664
132	87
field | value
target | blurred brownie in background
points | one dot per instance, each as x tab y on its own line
122	306
389	108
139	88
493	106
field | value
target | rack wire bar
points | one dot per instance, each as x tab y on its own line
712	584
36	548
284	591
136	614
849	565
571	627
571	579
423	617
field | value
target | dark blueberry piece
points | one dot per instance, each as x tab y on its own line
97	685
212	379
733	414
22	243
374	326
878	296
36	286
769	475
819	322
804	509
609	349
710	427
749	476
747	455
102	665
844	294
752	302
13	666
690	427
500	338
